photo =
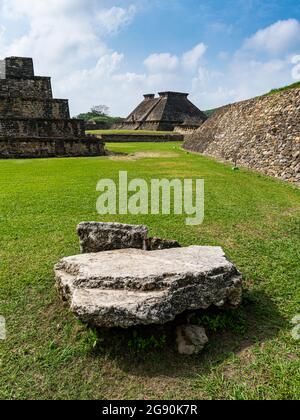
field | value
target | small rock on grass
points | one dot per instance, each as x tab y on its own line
191	339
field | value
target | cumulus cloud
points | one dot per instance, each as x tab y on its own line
165	62
280	37
114	19
296	69
263	62
63	34
192	58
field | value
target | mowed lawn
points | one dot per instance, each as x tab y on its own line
48	354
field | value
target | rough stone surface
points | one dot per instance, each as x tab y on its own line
169	110
32	123
140	138
132	287
262	134
16	68
23	148
191	339
155	244
185	129
97	237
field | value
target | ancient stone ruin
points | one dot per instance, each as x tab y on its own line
169	111
120	281
261	134
32	123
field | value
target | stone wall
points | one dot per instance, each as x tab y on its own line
16	67
36	88
185	129
142	138
47	148
147	126
34	128
262	134
34	108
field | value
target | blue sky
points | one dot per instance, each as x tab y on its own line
111	52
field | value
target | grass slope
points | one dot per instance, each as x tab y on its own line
284	88
49	355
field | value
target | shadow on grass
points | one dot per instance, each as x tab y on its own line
259	320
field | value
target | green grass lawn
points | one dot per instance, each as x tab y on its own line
131	132
49	355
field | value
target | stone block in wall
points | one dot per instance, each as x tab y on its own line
18	67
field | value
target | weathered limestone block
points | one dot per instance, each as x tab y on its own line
125	288
155	244
97	237
191	339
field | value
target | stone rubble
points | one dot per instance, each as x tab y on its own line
123	279
191	339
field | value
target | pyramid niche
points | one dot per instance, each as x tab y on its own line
166	112
32	122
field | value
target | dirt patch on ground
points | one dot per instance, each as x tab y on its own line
144	155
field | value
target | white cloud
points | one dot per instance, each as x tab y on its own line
263	62
296	68
165	62
35	8
63	34
282	36
114	19
192	58
242	78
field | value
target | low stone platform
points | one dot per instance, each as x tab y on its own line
140	138
129	287
23	148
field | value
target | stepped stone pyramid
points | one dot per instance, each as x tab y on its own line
165	113
32	122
